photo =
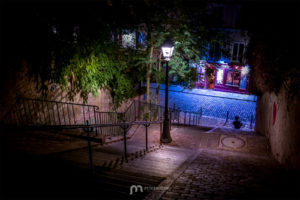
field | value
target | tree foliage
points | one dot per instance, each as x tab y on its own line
272	51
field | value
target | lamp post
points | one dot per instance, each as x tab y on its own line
167	50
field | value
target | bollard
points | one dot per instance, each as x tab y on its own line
88	130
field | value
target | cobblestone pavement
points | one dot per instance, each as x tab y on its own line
217	174
216	105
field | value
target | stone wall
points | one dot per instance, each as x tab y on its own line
278	118
19	84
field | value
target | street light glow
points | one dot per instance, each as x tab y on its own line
167	49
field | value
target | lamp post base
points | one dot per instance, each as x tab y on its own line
166	137
166	140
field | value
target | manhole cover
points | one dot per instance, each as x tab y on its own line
233	142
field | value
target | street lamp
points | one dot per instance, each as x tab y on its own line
167	50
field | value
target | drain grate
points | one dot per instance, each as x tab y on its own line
232	142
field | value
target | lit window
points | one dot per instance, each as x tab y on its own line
220	74
202	79
233	78
128	40
245	71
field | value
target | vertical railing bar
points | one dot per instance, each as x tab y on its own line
44	112
29	110
193	119
69	114
38	113
58	114
25	112
178	117
89	112
63	111
83	113
34	113
95	121
53	112
17	115
49	117
73	114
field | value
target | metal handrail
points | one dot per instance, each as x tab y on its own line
71	103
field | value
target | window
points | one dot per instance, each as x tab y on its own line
233	78
238	52
214	50
141	39
129	40
220	74
202	74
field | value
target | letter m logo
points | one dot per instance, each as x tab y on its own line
135	188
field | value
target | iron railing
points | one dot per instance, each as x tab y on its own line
45	112
189	118
125	127
215	109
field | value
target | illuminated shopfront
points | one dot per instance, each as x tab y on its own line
227	78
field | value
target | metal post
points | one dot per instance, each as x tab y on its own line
125	127
134	110
73	114
95	121
146	126
25	112
83	113
58	114
178	117
44	112
251	121
88	130
63	111
193	118
226	117
171	120
166	137
125	147
160	125
48	113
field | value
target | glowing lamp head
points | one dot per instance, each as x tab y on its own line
167	49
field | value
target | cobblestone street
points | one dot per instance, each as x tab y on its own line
216	174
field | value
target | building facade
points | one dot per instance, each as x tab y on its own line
230	71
